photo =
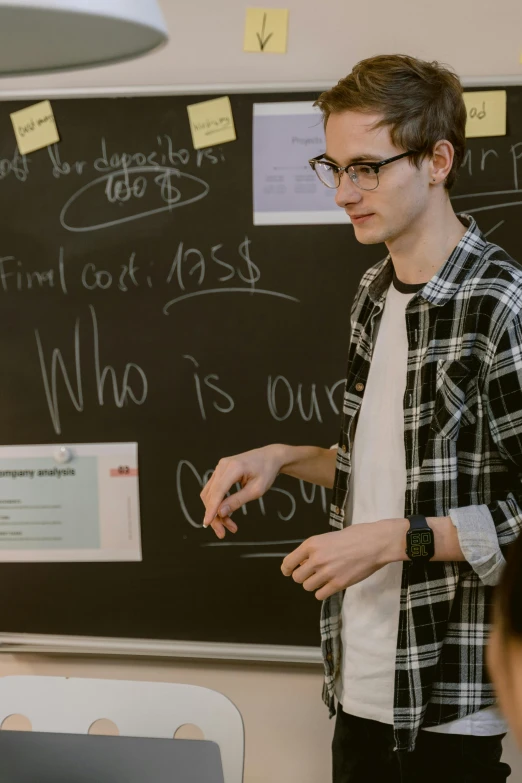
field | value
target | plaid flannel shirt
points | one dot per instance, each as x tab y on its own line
463	439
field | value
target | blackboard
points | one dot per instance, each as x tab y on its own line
211	374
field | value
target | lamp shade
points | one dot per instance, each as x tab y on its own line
48	35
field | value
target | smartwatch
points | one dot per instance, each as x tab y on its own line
420	541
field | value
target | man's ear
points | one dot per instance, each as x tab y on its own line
441	161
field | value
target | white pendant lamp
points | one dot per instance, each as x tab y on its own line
49	35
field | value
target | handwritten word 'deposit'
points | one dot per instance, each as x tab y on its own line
165	155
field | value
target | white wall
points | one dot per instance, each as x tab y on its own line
287	730
477	37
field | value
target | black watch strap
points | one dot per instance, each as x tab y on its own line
418	522
420	542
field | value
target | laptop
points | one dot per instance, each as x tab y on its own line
45	757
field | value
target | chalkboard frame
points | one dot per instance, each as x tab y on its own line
81	645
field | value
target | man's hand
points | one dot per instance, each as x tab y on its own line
255	470
334	561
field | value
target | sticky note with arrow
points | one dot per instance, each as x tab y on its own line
266	30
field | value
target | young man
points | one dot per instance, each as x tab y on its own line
430	450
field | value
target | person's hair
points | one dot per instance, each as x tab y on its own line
420	102
509	592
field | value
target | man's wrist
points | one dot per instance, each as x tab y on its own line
282	454
393	537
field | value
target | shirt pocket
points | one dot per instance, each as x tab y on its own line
456	396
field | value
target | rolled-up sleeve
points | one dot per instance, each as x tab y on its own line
479	541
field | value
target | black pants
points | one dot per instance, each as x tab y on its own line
363	753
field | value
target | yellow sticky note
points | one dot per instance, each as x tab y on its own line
266	30
486	113
211	122
34	127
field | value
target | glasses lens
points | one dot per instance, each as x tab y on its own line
327	174
364	176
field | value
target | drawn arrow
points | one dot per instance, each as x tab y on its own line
262	40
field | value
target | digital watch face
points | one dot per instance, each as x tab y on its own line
420	544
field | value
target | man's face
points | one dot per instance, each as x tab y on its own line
399	204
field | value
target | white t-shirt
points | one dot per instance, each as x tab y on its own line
370	613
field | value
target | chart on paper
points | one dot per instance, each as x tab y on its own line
81	508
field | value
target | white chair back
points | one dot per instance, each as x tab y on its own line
139	709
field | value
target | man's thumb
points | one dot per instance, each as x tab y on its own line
235	501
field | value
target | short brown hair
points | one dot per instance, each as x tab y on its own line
421	103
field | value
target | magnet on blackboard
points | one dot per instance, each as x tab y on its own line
63	454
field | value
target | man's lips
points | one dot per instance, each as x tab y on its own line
360	218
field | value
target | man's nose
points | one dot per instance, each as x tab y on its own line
347	192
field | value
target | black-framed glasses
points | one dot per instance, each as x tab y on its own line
364	175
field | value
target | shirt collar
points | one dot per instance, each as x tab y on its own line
447	280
